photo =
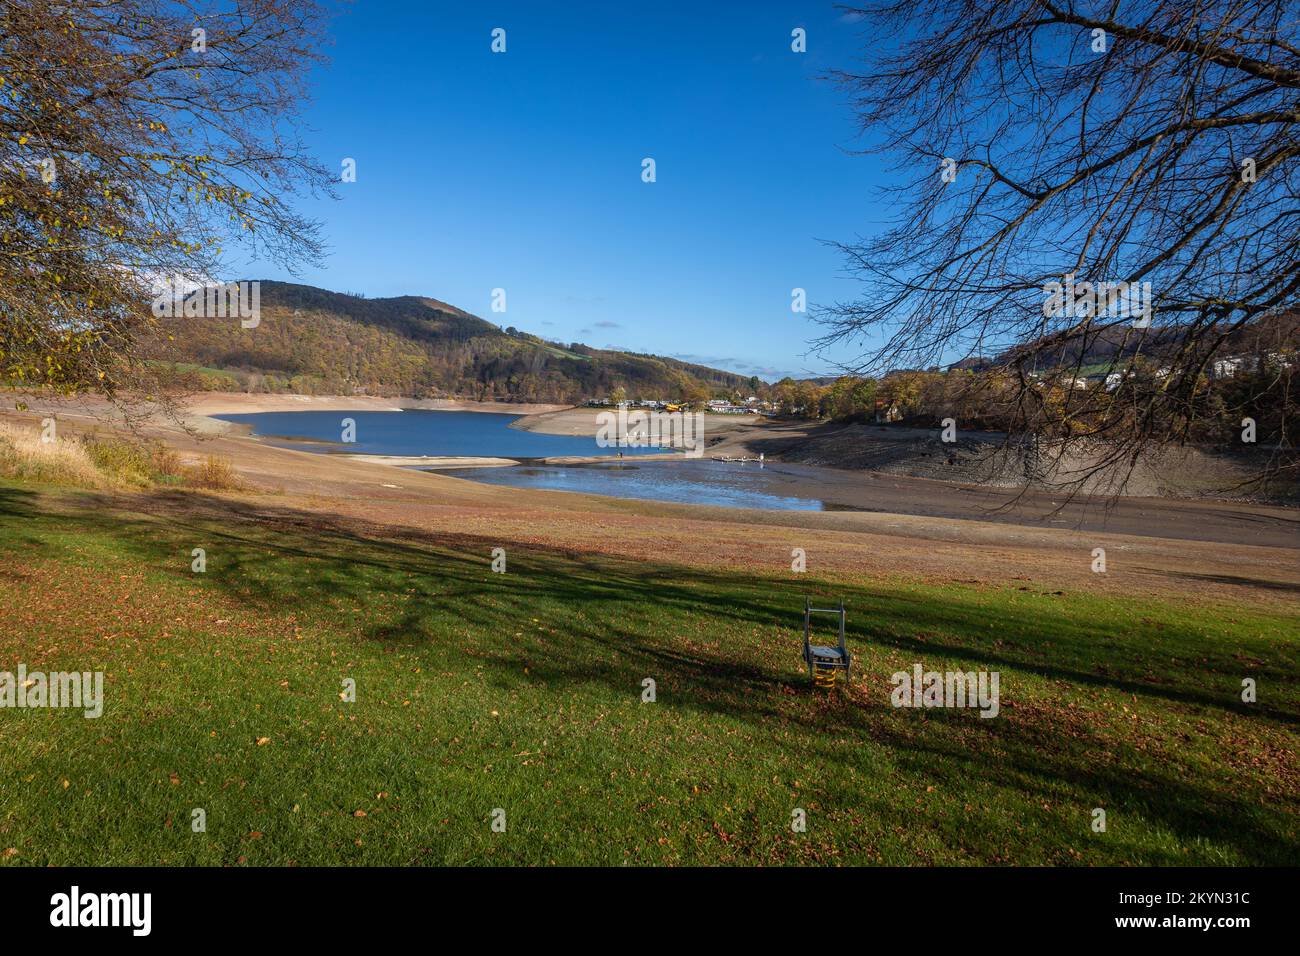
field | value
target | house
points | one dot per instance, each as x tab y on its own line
1280	360
886	415
1228	366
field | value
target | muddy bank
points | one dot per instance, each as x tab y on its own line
981	458
790	487
975	458
1187	520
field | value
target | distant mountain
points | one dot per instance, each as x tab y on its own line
819	380
313	341
974	363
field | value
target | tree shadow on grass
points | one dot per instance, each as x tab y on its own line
17	503
724	645
450	574
1237	580
1093	771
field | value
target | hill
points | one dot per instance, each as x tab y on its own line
313	341
1109	347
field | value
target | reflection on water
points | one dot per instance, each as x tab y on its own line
722	484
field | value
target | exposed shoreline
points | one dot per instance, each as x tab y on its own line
893	540
861	450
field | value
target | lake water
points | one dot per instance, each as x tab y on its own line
421	432
698	482
488	435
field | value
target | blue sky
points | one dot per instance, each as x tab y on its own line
522	170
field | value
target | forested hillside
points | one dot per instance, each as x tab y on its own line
312	341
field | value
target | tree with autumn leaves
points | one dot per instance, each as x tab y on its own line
141	140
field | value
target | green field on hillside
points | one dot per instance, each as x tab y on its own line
522	692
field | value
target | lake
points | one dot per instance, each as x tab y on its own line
420	432
778	486
698	482
488	435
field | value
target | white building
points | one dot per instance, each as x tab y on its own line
1228	367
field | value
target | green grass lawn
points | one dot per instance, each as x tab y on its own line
522	691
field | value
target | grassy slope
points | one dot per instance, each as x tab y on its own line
522	691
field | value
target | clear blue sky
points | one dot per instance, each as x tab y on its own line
522	170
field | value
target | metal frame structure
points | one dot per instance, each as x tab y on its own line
824	662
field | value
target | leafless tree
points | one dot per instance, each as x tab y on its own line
1079	143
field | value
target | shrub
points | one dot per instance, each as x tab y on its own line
120	462
214	474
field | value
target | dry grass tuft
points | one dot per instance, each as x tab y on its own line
60	461
92	461
213	474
